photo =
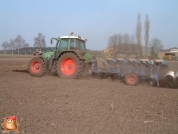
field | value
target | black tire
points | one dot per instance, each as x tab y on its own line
69	66
82	67
37	67
131	79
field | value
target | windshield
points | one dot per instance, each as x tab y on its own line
81	45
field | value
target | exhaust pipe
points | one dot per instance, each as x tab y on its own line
169	79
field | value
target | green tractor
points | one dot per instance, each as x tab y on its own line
68	59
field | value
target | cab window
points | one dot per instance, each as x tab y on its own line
63	44
81	45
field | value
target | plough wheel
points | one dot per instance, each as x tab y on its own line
36	67
69	66
131	79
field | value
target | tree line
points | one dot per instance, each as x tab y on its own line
19	43
133	42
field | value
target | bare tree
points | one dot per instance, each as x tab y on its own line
25	47
40	41
120	43
113	41
12	45
126	39
147	28
5	46
133	39
19	42
155	45
152	52
120	38
8	47
126	42
138	34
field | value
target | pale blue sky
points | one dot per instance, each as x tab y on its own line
95	20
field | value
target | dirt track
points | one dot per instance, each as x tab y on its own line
88	105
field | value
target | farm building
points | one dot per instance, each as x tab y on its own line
171	53
108	52
123	50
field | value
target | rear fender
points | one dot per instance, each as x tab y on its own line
78	53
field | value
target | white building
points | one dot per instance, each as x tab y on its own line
172	52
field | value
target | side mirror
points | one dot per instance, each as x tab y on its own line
51	41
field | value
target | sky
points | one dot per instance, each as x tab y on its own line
95	20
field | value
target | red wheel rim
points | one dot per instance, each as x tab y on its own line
131	79
68	66
36	66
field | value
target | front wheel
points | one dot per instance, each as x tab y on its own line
69	66
131	79
36	67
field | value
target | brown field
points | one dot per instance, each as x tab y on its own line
50	105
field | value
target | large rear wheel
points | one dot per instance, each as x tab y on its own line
131	79
36	67
69	66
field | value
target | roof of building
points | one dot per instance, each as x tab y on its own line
174	49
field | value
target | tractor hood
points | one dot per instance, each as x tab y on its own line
49	54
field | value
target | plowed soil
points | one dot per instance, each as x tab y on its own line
50	105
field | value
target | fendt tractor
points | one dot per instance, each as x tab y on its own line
67	59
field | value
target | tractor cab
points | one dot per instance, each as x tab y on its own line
65	43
